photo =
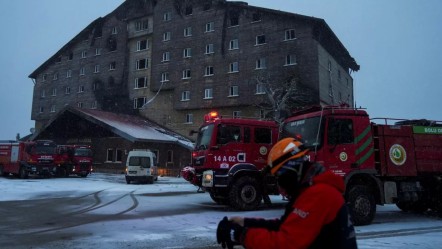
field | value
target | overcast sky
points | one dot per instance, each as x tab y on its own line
397	43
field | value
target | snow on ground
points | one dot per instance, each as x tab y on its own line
172	210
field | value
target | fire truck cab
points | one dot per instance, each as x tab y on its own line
228	156
77	160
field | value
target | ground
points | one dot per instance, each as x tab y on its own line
102	211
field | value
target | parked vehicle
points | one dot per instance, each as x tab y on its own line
29	158
382	163
76	160
141	166
228	156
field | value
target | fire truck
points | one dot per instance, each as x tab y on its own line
383	161
28	158
77	160
228	157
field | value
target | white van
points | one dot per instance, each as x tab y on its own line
141	166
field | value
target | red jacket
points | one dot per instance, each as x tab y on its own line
317	218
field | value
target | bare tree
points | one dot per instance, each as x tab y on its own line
282	95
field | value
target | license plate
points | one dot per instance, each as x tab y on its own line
133	172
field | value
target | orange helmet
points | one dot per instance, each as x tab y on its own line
287	149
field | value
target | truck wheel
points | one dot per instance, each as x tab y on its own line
245	194
2	172
23	174
362	205
127	181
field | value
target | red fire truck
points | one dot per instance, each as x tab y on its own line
77	160
228	156
28	158
394	161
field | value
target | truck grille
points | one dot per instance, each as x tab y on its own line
84	166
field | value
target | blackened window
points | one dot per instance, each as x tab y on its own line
188	10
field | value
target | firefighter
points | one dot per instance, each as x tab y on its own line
316	215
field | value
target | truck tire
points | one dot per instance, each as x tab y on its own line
2	172
362	204
245	194
23	174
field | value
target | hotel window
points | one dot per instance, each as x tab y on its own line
52	108
112	65
233	91
186	74
233	44
83	54
210	27
141	25
164	77
82	71
142	64
166	36
44	77
55	77
188	31
260	39
94	105
54	91
290	60
110	155
187	53
207	5
233	67
234	21
290	34
260	88
80	104
167	16
43	94
236	114
142	45
97	69
208	71
80	89
261	63
119	155
208	93
68	73
188	10
98	51
170	156
166	56
189	118
139	102
141	82
67	90
185	96
256	17
41	109
209	49
114	30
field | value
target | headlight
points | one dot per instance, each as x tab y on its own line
208	177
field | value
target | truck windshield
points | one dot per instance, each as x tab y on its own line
307	128
83	152
204	136
43	149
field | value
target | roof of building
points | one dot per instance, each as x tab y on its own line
130	127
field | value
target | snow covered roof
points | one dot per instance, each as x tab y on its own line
131	127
